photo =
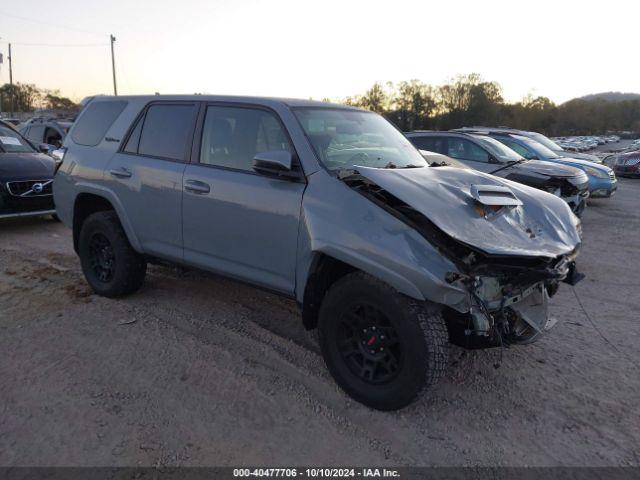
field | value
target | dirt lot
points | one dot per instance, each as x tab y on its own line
198	370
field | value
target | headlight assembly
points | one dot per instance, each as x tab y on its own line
594	172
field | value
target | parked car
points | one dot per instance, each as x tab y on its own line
48	131
12	122
602	180
564	149
328	205
25	176
481	152
627	165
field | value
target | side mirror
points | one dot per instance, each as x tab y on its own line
493	159
44	148
278	163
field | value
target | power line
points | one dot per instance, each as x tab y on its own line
23	44
49	24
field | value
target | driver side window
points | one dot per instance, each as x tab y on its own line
231	136
463	149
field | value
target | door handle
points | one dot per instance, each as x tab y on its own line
195	186
120	172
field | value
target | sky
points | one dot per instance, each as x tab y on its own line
321	48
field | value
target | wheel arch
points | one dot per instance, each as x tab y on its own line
327	268
91	200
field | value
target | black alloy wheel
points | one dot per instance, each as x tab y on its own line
369	344
101	257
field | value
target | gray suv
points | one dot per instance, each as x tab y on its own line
389	258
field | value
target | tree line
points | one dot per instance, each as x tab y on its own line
469	100
466	100
21	97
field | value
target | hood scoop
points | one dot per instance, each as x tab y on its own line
494	195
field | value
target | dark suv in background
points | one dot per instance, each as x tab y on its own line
481	152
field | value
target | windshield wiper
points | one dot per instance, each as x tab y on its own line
393	165
507	165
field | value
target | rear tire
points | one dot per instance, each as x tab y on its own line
109	263
383	348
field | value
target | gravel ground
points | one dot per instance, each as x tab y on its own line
198	370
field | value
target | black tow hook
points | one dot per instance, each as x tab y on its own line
573	277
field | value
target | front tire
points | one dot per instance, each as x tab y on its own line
109	263
383	348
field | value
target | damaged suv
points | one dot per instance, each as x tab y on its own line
332	206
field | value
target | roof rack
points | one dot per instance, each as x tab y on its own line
488	130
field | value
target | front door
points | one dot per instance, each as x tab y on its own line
235	220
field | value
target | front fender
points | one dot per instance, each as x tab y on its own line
344	225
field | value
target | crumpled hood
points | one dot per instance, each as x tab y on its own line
26	166
543	226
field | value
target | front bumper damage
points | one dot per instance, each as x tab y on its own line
507	307
508	293
575	192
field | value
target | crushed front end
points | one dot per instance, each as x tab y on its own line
508	298
511	246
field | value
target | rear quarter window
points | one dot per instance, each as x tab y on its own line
94	122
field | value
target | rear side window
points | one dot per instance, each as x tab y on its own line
165	132
94	122
431	144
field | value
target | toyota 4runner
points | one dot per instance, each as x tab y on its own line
389	258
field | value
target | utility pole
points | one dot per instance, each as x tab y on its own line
11	81
113	64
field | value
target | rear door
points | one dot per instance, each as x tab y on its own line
235	220
146	175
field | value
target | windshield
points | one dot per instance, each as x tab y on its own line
547	142
540	151
344	139
11	141
500	151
